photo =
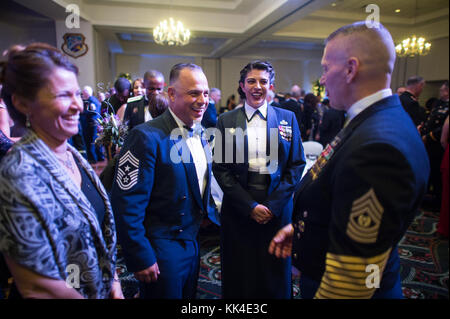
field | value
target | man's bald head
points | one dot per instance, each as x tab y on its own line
373	47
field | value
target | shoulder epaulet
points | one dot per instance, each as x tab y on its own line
135	98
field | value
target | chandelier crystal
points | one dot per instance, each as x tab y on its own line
171	33
413	46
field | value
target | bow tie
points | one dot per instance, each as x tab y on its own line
257	113
196	130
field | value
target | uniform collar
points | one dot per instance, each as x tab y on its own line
250	110
182	125
364	103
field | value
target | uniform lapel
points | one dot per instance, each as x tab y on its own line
208	156
272	123
241	122
185	156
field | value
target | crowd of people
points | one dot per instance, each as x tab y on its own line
60	223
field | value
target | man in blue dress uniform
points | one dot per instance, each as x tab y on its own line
356	202
161	191
258	171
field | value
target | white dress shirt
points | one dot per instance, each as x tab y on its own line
364	103
257	138
147	115
198	154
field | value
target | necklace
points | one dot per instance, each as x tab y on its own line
67	162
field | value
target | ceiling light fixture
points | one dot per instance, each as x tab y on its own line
413	45
397	10
171	33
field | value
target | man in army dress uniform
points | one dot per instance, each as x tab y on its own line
409	99
355	204
137	111
431	131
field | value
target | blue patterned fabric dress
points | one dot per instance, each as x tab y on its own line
49	226
5	144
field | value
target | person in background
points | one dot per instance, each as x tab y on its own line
443	224
410	99
56	218
431	132
311	112
271	99
291	104
257	189
89	120
158	104
137	108
138	87
122	89
101	96
138	91
400	90
210	117
332	122
231	102
357	201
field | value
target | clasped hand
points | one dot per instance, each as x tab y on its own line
261	214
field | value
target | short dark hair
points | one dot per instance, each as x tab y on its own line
122	84
413	80
158	104
176	69
27	70
311	99
258	65
153	74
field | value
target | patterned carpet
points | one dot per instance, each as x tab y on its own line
424	264
424	260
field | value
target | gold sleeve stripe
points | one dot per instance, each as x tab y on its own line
330	277
346	273
359	260
332	293
351	267
345	285
344	279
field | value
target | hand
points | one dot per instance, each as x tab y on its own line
116	290
261	214
281	244
148	275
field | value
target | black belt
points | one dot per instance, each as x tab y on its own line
258	181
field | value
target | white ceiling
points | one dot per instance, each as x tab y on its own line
230	28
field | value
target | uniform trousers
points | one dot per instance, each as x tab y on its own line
178	264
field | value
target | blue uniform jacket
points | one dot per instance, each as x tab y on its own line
359	198
290	162
257	274
155	195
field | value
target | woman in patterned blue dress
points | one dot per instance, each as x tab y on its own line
57	230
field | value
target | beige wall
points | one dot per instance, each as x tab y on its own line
137	65
104	77
85	63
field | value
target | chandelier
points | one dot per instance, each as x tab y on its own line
413	46
171	33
